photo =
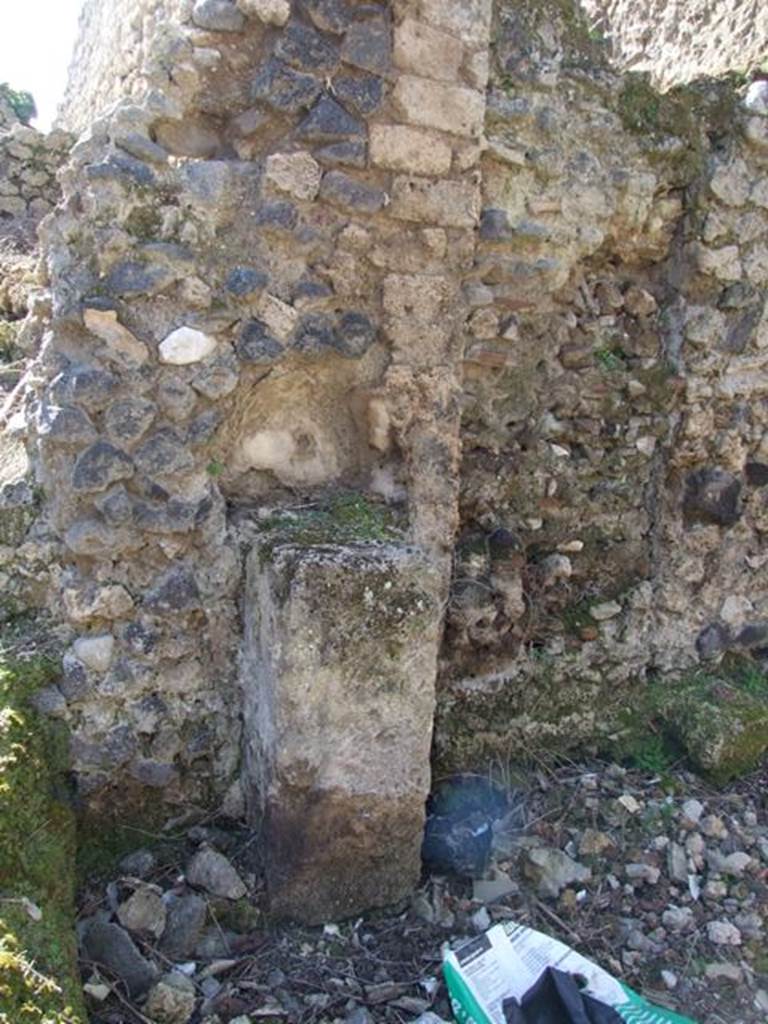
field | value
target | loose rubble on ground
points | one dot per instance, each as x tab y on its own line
661	880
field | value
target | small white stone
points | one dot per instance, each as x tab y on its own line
271	12
756	98
481	920
646	445
629	803
735	609
605	611
724	972
186	345
723	933
95	652
670	979
692	811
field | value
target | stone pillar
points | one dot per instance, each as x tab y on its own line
338	678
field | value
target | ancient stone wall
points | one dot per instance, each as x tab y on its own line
330	306
681	40
29	162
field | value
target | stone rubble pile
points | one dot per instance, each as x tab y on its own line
663	883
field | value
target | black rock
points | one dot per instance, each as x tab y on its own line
755	634
218	16
203	427
712	641
329	122
355	333
257	346
344	154
163	453
133	278
739	295
116	506
86	386
243	281
307	50
175	516
99	466
129	418
175	397
757	474
315	334
368	45
184	923
75	682
174	591
351	195
114	949
124	169
155	774
328	15
277	216
308	289
494	225
459	830
65	424
141	640
363	94
712	496
284	89
139	864
216	381
142	147
740	334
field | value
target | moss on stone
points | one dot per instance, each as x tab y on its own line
343	518
548	711
717	719
38	974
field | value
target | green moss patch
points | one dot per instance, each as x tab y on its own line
344	518
39	982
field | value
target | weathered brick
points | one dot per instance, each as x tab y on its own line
470	20
449	108
401	148
450	204
427	51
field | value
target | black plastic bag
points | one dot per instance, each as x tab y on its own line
557	999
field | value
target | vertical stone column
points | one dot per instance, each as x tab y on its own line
441	53
341	650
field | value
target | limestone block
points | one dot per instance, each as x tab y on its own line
427	51
449	108
339	692
400	148
420	297
470	20
449	204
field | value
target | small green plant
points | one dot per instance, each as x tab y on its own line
610	359
215	468
38	976
7	341
652	753
20	102
342	518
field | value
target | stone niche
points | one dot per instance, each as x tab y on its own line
257	273
338	680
